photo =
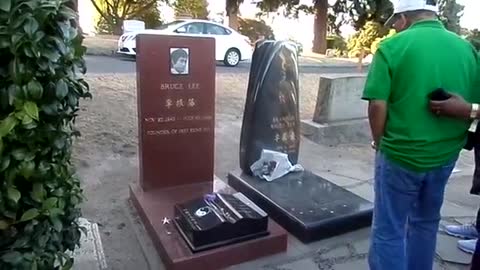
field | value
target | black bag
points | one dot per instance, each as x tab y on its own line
475	190
473	139
473	142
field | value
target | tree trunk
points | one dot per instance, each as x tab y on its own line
117	28
320	27
233	20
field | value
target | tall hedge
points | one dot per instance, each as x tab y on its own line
40	86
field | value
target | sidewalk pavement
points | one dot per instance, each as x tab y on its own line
349	166
310	58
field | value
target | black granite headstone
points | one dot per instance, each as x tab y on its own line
219	219
307	205
271	120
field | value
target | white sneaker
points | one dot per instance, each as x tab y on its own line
467	245
462	231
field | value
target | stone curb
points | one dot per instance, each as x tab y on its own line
146	245
100	53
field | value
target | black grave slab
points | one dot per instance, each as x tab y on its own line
219	219
308	206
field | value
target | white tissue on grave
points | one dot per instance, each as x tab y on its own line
273	165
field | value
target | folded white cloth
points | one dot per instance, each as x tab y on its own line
273	165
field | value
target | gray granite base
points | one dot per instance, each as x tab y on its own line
332	134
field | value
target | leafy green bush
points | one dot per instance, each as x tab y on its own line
362	40
377	41
40	87
336	42
253	29
336	46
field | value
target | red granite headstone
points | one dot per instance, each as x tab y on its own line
176	110
176	107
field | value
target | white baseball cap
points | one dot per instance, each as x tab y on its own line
400	6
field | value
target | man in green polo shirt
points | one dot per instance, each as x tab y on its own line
416	149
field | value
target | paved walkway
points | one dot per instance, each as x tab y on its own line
349	166
322	60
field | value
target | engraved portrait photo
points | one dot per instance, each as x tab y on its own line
179	61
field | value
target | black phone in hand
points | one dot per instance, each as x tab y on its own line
439	95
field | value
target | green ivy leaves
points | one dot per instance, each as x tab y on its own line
40	89
61	90
13	194
31	110
35	89
13	257
29	215
31	26
5	5
7	125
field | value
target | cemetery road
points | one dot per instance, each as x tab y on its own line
122	65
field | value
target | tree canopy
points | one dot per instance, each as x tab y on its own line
114	12
450	14
194	8
232	7
355	12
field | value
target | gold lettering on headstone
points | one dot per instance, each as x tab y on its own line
191	102
150	120
193	86
168	103
180	103
284	134
171	86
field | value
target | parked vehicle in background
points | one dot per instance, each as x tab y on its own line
230	46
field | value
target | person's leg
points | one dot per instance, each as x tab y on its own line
476	255
396	190
423	222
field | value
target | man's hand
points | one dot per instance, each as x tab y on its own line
455	106
377	115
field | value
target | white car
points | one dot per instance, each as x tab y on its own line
231	46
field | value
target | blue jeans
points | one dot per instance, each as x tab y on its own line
406	216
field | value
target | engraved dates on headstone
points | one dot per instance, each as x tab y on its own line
271	119
176	110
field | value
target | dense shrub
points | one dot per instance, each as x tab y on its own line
40	88
336	42
363	40
253	29
377	41
336	46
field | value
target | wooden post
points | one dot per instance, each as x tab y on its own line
360	60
